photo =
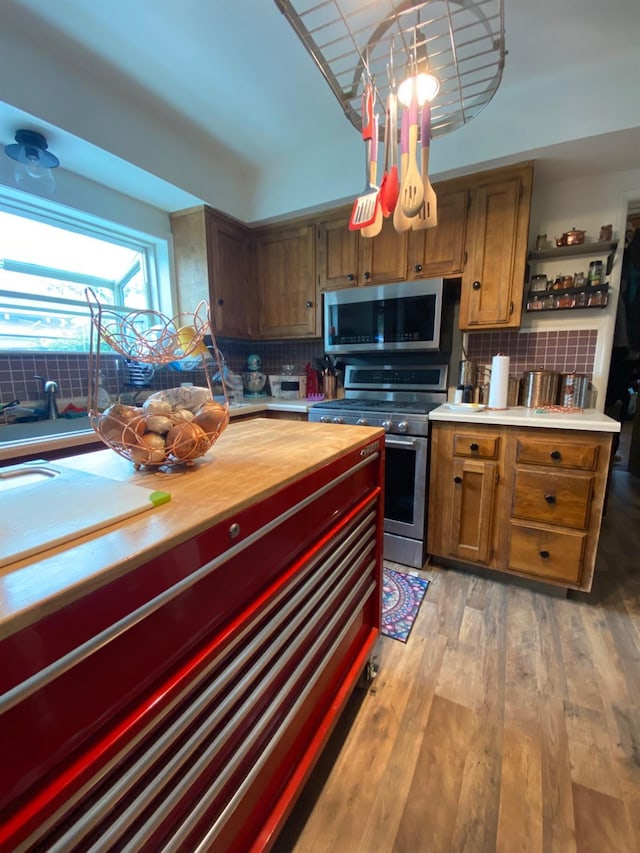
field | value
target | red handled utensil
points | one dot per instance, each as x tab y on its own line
364	207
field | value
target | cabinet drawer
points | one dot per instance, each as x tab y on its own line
560	454
552	497
476	446
553	554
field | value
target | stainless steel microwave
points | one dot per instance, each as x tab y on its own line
400	317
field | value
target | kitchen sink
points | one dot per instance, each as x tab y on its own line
42	429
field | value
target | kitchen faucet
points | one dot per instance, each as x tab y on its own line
50	389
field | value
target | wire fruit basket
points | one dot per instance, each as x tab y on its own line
175	426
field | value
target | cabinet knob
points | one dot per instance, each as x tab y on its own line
308	304
545	554
350	277
457	480
550	499
473	447
418	268
555	454
476	285
234	531
367	276
221	301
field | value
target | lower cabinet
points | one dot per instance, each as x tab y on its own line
527	501
183	705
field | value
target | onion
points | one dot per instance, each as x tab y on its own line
211	416
149	450
187	441
182	415
156	406
160	424
119	419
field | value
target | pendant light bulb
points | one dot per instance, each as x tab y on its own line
427	85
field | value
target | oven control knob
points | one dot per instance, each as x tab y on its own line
386	426
337	420
325	419
403	427
362	422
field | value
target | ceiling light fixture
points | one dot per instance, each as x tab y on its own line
33	162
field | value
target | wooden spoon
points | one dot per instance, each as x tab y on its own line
428	214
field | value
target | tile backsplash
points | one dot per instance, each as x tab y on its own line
564	351
71	371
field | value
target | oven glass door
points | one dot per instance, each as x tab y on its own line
405	486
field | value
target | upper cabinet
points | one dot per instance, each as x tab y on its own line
439	251
496	246
286	279
347	259
211	257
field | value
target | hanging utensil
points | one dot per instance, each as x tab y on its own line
400	221
428	214
390	187
364	208
411	189
376	226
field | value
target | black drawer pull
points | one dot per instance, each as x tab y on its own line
545	554
555	454
350	277
550	499
221	301
367	276
473	446
418	268
457	480
476	285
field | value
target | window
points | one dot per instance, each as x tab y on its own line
46	264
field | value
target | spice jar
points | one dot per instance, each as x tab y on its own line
595	273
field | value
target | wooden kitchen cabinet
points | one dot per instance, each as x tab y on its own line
528	501
211	257
439	251
346	259
286	279
496	247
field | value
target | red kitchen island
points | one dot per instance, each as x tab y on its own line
169	680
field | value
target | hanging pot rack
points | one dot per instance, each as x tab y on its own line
352	40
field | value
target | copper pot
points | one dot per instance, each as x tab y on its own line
571	238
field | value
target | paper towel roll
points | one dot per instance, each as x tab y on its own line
499	384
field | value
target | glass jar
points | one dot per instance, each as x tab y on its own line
595	273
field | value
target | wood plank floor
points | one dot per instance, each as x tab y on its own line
510	721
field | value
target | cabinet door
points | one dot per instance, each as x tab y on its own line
439	251
346	259
285	264
472	509
229	252
497	230
337	254
383	259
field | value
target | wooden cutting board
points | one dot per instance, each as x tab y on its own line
44	504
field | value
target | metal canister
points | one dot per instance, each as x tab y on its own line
513	391
540	388
574	388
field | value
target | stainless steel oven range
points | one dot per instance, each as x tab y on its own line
397	396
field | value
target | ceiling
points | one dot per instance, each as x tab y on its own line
217	100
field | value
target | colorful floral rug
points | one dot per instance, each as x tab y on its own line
402	596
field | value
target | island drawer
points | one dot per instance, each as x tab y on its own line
554	554
552	497
561	453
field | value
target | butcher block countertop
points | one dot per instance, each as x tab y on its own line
251	460
519	416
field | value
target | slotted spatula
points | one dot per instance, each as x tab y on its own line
400	221
364	207
376	226
411	189
428	214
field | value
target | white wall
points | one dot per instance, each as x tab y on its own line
561	205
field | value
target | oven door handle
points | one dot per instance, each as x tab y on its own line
400	442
